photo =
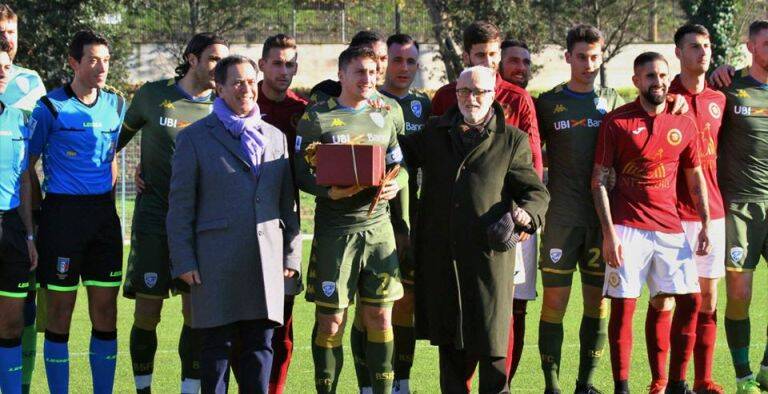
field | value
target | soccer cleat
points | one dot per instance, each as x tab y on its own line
657	387
707	387
747	386
762	378
582	388
678	387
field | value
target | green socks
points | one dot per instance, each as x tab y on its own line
143	345
593	334
189	353
550	347
328	357
737	332
357	340
405	344
379	350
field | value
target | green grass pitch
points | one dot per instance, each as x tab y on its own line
425	371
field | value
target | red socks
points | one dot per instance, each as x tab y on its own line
706	334
657	326
683	335
620	336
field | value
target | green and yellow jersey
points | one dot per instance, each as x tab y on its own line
328	122
568	123
160	110
743	158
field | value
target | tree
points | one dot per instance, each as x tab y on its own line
46	28
719	18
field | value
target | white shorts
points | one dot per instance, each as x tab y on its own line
712	265
526	258
664	261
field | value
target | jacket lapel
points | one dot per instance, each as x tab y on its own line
220	134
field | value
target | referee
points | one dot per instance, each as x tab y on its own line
75	129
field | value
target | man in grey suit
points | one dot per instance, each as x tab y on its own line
233	228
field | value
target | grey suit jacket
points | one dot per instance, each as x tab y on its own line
237	231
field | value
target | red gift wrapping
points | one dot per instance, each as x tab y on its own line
349	165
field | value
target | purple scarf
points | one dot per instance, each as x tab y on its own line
247	129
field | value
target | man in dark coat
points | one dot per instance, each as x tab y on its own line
479	192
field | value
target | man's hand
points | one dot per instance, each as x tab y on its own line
337	192
289	273
390	190
703	246
138	180
611	180
613	252
32	249
521	217
722	76
378	104
679	105
191	278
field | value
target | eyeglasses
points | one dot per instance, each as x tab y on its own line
466	92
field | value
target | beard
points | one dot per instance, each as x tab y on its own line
653	98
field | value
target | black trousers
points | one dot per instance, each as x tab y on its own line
458	366
254	358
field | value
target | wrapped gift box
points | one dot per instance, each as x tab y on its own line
348	165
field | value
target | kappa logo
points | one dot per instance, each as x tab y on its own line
674	137
167	104
559	108
328	288
555	254
742	93
416	108
377	118
613	279
150	279
736	253
715	111
336	122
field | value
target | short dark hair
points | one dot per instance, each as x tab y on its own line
278	41
222	67
83	38
583	33
6	13
401	39
647	57
480	32
689	28
514	44
756	27
353	53
5	46
366	37
196	46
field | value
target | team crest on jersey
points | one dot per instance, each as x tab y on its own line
62	267
555	254
736	253
377	118
613	279
559	108
167	104
150	279
715	111
416	108
601	105
674	137
328	288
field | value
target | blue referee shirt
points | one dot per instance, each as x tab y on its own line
77	141
14	139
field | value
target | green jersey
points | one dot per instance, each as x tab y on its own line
743	158
23	90
160	110
568	123
328	122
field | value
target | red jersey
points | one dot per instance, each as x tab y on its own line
707	109
646	152
519	112
284	114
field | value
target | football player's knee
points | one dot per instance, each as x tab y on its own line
662	303
146	321
328	340
737	309
329	324
377	318
597	310
552	315
402	314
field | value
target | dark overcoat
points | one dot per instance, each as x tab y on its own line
464	289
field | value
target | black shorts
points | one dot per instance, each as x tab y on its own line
149	268
79	237
14	256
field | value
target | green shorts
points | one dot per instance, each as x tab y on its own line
563	248
149	268
362	264
746	235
